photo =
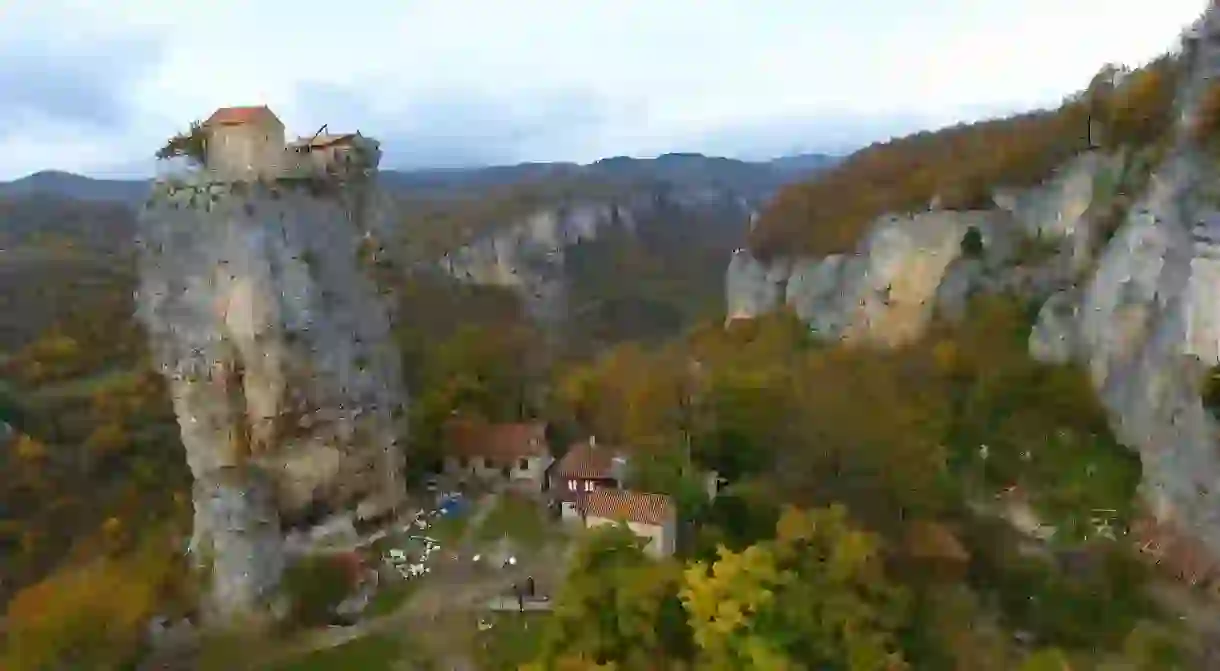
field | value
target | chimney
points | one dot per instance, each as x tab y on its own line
618	470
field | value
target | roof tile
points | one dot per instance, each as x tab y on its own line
630	506
587	462
235	116
503	443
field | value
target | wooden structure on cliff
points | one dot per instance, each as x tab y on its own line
247	143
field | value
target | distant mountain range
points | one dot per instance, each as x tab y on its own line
676	168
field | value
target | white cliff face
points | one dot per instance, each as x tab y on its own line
909	266
529	255
883	293
275	343
1143	316
1148	323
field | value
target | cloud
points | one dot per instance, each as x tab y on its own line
96	87
83	84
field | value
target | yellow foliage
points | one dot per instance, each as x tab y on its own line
29	449
945	355
109	438
1207	122
962	164
85	616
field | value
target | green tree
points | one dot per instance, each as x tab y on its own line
617	606
815	596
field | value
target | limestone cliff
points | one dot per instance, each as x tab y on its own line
910	265
274	342
1141	312
529	254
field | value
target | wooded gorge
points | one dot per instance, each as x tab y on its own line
867	516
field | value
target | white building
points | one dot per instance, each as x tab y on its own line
649	516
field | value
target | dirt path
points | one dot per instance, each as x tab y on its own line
455	584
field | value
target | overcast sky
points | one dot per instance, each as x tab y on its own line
95	87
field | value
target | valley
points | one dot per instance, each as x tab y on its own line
947	402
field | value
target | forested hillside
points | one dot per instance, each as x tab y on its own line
875	508
961	166
100	437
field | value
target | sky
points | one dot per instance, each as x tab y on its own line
96	87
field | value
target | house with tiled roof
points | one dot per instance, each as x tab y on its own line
585	467
515	454
588	466
649	516
242	141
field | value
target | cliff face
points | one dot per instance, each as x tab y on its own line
908	266
275	344
531	254
1141	313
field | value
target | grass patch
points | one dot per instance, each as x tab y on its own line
449	528
519	519
514	640
372	653
390	597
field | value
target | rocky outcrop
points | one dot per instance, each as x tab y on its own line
275	344
1142	314
529	255
909	266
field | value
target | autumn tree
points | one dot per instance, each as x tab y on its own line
868	432
1141	107
815	596
617	606
951	628
1206	130
91	615
1017	421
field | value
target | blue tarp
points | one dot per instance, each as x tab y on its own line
451	505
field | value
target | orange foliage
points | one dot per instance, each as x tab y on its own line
1141	108
86	616
107	439
962	164
28	449
1207	124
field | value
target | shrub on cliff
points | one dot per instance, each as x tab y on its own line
1211	391
189	144
1140	110
316	585
1206	129
972	243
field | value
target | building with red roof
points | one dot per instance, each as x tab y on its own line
514	453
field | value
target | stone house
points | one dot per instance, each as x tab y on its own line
243	140
649	516
515	454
